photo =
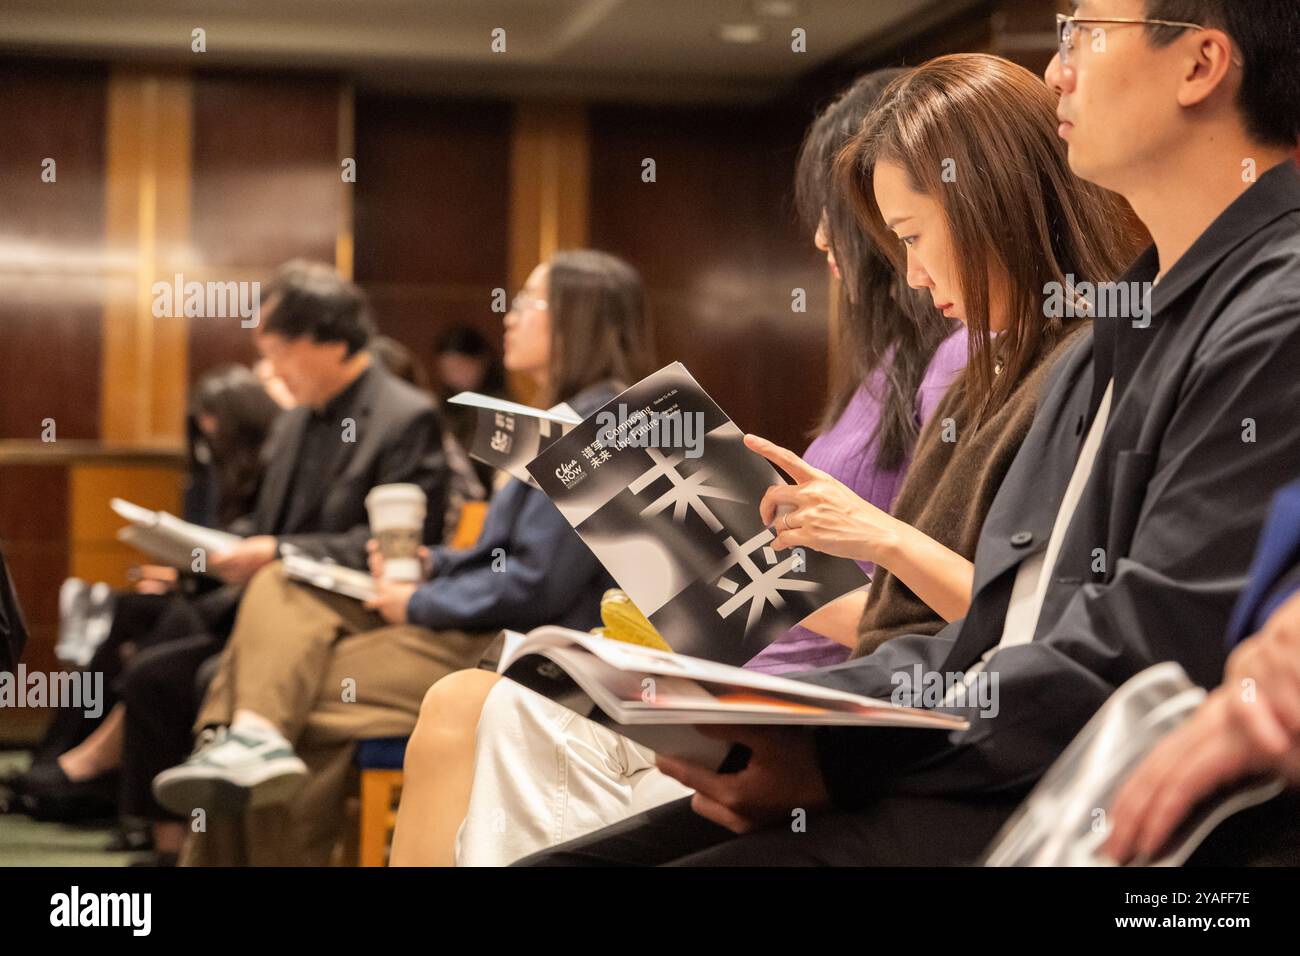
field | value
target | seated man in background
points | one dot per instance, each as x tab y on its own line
308	672
230	417
355	426
1249	726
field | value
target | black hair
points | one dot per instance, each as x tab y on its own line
1268	35
400	361
310	299
243	412
463	340
470	342
884	325
600	323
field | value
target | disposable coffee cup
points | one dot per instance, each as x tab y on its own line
397	523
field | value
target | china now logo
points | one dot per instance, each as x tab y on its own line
570	473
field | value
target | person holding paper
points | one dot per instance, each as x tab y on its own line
307	673
1248	727
961	456
355	426
229	418
1123	530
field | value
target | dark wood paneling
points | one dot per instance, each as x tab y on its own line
34	535
717	243
52	257
432	191
416	315
267	183
55	271
431	214
33	502
49	360
267	188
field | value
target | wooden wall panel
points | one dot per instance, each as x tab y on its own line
550	189
147	221
53	260
267	188
432	214
717	243
97	555
34	536
56	271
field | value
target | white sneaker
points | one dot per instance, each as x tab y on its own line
231	771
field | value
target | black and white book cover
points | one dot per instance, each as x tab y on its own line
662	489
508	435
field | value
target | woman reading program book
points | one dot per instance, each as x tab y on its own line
981	248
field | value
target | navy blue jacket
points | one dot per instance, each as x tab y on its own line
1276	560
528	567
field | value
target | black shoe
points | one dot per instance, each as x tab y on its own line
39	776
130	837
68	801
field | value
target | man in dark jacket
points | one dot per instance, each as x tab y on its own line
307	673
355	426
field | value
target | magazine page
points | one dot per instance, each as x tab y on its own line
329	577
166	537
661	488
508	435
1063	821
635	684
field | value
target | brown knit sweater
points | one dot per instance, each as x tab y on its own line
949	489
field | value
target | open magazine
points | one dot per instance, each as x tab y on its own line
508	435
329	576
167	538
656	698
1064	822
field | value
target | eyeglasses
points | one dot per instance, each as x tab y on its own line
1067	26
525	300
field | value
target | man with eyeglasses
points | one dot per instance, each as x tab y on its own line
1190	109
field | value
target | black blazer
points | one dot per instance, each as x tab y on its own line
398	439
1161	542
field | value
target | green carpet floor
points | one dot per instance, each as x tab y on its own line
26	842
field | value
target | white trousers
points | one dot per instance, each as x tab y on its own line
544	775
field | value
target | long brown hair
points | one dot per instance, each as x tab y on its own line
885	326
978	134
600	329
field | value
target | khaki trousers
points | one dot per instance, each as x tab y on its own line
328	673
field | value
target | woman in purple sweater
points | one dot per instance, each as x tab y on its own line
481	740
896	356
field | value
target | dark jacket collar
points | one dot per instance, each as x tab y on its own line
1273	196
1119	346
333	409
